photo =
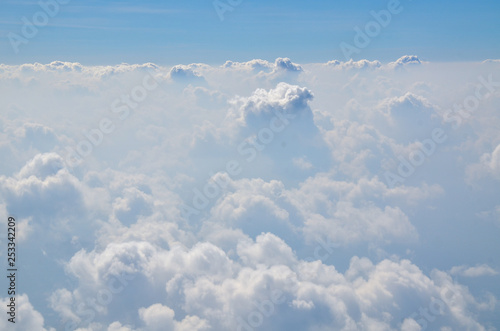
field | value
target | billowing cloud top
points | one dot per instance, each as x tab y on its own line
406	60
361	64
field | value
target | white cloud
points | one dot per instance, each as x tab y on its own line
43	189
307	235
161	318
253	65
492	61
341	211
258	65
117	326
302	163
410	324
487	167
73	68
42	166
185	73
26	318
285	97
25	229
405	60
351	64
267	250
214	294
37	135
495	161
286	64
477	271
158	317
407	118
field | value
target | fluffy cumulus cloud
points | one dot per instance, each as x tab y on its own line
477	271
186	73
253	65
43	188
264	285
159	317
31	319
406	60
351	64
284	64
258	195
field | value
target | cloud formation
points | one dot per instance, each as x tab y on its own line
253	195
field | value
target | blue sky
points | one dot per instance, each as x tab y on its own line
171	32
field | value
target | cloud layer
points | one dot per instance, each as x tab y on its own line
267	195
